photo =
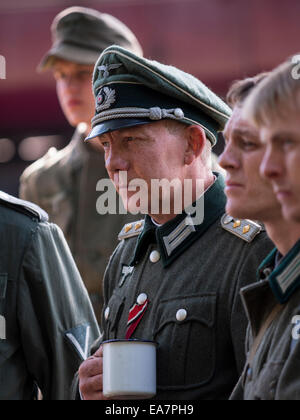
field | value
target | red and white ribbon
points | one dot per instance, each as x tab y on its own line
136	314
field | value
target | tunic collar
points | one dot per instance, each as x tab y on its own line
177	235
284	279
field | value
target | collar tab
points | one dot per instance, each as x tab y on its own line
285	278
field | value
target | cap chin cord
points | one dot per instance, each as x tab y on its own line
154	114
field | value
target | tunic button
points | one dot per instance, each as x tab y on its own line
154	256
181	315
142	299
106	313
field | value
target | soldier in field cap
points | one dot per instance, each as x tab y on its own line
175	277
64	182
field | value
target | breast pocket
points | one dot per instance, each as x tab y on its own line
185	332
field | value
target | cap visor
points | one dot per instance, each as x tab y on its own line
112	125
68	53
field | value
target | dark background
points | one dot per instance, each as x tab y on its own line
216	40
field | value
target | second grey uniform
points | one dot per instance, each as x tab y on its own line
273	373
186	284
46	319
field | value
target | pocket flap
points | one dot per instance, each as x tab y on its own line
199	308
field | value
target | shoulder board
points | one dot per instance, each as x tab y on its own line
23	206
131	229
245	229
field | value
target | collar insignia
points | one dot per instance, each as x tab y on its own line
175	238
285	279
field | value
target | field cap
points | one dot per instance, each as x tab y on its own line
130	90
80	34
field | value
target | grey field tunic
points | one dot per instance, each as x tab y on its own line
187	285
46	318
274	373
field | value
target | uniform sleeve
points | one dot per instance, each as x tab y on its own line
251	259
57	323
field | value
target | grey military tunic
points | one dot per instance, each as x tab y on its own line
64	184
186	284
46	318
274	373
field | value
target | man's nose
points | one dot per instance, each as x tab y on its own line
271	165
115	161
228	159
71	82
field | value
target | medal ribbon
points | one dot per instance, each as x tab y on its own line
136	314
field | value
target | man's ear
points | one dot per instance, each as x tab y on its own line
196	138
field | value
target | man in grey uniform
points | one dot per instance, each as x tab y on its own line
46	319
64	182
181	275
272	304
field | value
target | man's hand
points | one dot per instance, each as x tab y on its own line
91	377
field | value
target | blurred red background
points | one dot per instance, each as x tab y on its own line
217	40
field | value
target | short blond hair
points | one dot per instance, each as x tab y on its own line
276	97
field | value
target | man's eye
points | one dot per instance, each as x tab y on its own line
248	145
103	144
128	139
288	142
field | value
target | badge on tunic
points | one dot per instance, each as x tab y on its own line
126	271
105	98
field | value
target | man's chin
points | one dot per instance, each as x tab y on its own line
133	203
75	119
291	213
238	210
